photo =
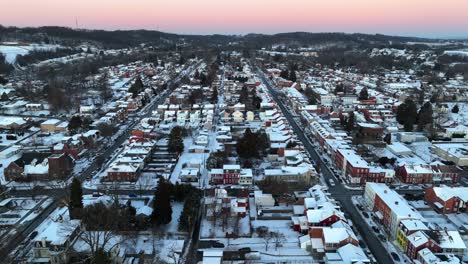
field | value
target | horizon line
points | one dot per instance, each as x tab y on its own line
456	37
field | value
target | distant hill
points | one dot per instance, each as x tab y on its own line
125	38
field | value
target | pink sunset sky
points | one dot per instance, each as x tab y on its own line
428	18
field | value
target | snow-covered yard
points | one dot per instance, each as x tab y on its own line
11	52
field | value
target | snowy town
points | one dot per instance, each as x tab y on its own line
185	152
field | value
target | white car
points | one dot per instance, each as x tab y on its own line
332	182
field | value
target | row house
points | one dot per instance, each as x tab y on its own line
328	239
231	174
425	173
54	125
389	207
303	173
39	166
437	241
447	200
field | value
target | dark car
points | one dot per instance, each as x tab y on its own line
375	229
395	256
217	244
245	249
33	235
366	215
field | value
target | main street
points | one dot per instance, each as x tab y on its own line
60	193
339	192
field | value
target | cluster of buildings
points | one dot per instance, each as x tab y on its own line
371	120
417	236
327	232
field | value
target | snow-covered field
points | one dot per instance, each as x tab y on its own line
463	53
11	52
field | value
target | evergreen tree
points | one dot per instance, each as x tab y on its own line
189	212
4	97
407	113
214	95
312	100
455	109
284	74
244	95
3	81
388	139
176	142
425	115
421	96
76	198
75	123
349	126
339	88
252	144
162	208
363	95
136	87
292	76
408	126
181	60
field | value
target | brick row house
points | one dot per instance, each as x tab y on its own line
39	166
447	200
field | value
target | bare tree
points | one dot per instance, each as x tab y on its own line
265	234
278	239
99	226
96	240
172	254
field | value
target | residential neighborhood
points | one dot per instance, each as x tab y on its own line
167	148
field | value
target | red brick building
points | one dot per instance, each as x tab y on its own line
447	200
39	166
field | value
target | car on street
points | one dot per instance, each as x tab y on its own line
33	235
366	215
395	256
244	249
332	182
375	229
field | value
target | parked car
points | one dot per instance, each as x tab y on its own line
33	235
375	229
217	244
245	249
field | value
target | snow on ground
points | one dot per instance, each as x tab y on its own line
173	226
7	142
437	219
280	226
462	116
463	53
423	150
12	51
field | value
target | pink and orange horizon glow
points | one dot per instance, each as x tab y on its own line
426	18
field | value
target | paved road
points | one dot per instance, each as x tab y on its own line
60	193
339	192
